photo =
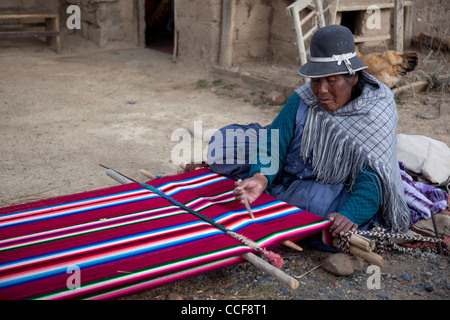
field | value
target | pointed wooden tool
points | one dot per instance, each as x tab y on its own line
286	243
247	204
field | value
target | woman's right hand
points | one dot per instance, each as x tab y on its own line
251	188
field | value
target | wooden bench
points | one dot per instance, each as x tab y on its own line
10	28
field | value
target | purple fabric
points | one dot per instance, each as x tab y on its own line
422	199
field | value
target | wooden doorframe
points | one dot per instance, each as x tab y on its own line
139	13
227	28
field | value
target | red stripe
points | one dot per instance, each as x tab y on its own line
199	197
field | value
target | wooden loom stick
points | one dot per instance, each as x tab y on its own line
292	245
267	267
362	242
147	174
369	256
247	205
250	257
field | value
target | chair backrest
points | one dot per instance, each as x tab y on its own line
317	15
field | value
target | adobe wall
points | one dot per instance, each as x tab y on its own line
106	21
251	34
261	30
52	5
102	21
264	32
198	24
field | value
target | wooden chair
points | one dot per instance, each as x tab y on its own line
317	14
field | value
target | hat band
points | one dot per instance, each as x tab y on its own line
338	58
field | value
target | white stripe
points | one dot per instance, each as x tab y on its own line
337	57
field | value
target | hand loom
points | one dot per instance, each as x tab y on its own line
126	238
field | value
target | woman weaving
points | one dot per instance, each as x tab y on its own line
336	147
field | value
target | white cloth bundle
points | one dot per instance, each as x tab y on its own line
425	156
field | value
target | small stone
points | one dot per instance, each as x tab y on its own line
426	226
358	263
406	277
382	295
428	288
340	264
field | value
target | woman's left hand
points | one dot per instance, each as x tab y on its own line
341	224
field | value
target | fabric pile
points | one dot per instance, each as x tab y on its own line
422	199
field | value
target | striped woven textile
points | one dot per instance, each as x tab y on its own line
107	243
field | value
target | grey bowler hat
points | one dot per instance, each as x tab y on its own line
333	52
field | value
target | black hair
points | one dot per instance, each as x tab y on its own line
359	86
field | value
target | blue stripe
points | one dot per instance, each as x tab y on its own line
187	187
74	203
115	257
291	211
71	203
74	211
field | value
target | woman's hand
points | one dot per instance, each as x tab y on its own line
341	224
250	188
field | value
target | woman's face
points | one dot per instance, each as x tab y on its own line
334	91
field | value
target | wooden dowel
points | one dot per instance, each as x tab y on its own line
415	86
362	242
250	257
292	245
369	256
147	174
270	269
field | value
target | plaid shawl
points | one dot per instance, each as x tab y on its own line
361	132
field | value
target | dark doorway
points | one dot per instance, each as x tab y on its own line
348	20
159	19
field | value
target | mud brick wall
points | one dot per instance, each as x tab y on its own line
51	5
263	32
198	23
251	34
260	31
105	21
282	41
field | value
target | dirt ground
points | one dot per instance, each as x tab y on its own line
63	115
